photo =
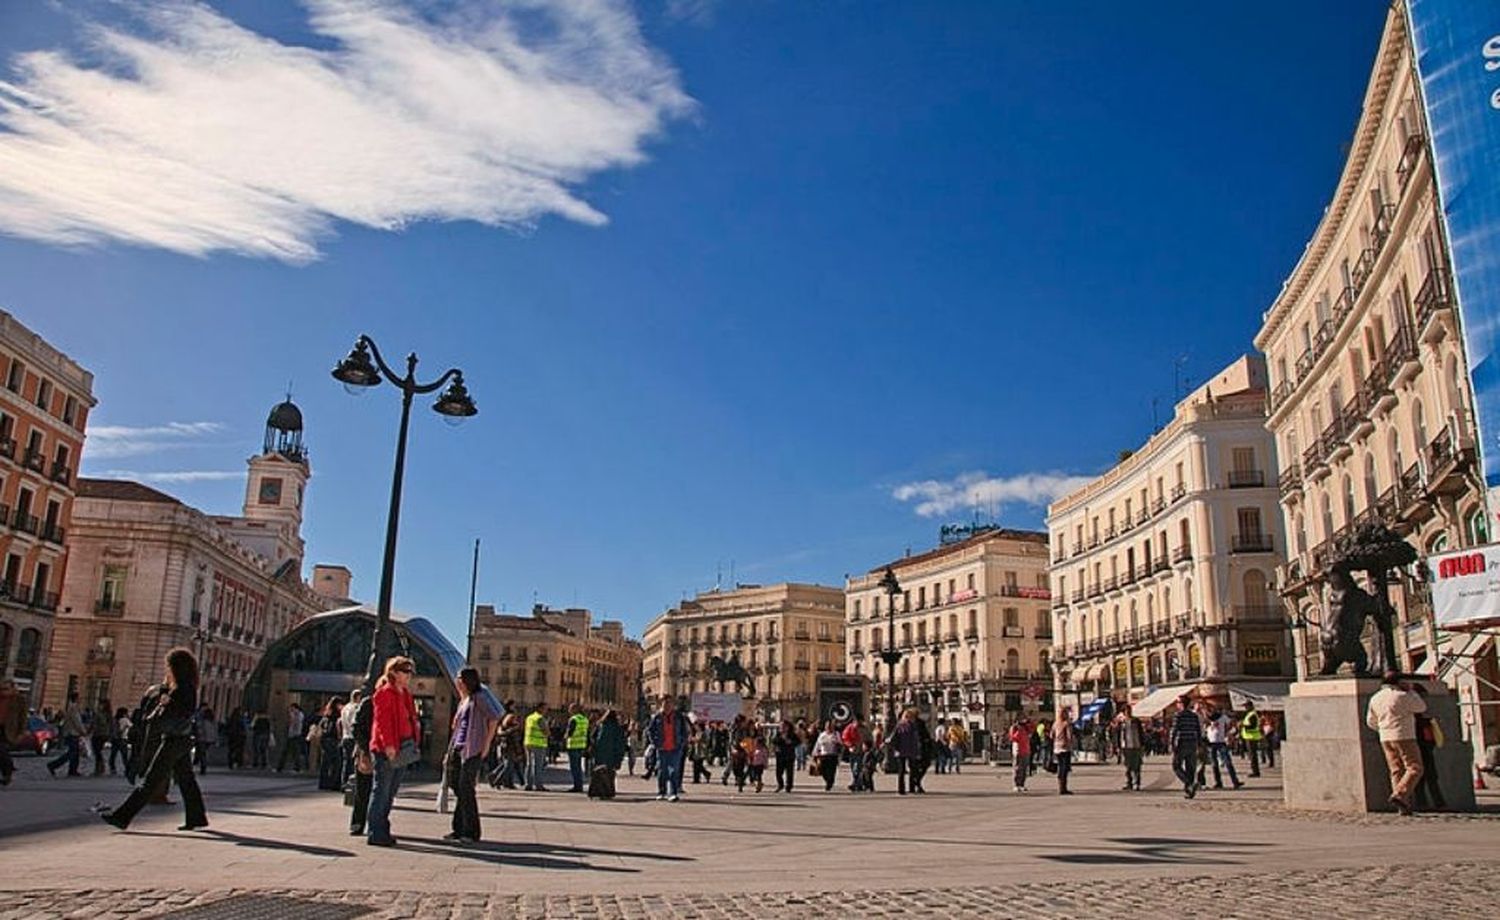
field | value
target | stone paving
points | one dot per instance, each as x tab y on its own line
970	848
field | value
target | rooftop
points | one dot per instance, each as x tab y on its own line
122	490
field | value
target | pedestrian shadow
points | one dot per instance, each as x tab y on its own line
531	855
259	843
247	813
1142	851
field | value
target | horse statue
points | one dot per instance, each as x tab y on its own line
1374	548
722	672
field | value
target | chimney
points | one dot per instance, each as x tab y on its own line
332	581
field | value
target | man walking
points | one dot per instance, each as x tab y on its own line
1392	712
71	725
1187	731
536	747
958	745
1129	735
1251	734
578	742
669	732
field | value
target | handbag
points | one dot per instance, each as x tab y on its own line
406	755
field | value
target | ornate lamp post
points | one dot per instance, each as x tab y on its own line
891	656
359	370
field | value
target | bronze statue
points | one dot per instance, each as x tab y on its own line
1372	548
725	671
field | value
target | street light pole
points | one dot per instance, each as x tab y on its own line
359	370
890	656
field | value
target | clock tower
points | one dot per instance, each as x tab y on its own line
278	479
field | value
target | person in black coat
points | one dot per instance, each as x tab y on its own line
170	752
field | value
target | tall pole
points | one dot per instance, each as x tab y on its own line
392	524
473	589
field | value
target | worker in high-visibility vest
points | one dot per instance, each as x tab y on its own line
536	747
578	742
1251	734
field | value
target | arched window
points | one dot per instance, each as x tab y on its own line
1158	676
953	666
1115	619
1439	543
1150	610
973	665
1299	531
1134	619
1349	507
1166	602
1327	508
1083	629
1012	661
1195	662
1475	528
1397	465
1418	425
1372	481
1188	601
1044	661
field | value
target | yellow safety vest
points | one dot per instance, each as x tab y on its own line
1250	726
536	731
578	734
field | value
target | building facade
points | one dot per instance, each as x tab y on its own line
149	572
558	657
972	623
784	635
44	405
1371	404
1163	569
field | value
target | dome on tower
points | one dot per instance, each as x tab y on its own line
285	416
284	432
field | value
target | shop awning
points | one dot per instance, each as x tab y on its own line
1270	696
1156	701
1099	671
1079	675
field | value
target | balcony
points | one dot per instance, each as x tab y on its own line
34	461
1401	356
101	655
1077	595
1433	297
1096	589
951	637
1178	491
1259	613
772	638
1251	543
1093	645
1143	571
1110	533
1183	623
1363	267
1110	583
52	533
1182	554
25	523
1160	565
1044	631
1158	506
802	635
1333	443
971	635
1291	480
802	666
1447	462
1247	479
1162	629
1411	154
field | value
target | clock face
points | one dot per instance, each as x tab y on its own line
270	491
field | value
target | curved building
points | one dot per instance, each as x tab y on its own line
325	656
1370	404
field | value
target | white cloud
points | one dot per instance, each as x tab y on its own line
968	490
170	476
105	441
192	133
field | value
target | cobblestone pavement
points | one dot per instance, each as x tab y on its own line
1445	890
1488	813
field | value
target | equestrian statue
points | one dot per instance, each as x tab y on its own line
722	672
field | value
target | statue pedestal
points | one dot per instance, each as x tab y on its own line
1332	762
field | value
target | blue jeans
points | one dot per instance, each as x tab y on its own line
536	765
382	797
1219	753
669	772
575	766
68	756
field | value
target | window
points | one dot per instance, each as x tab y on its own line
70	411
44	395
1012	616
1249	522
971	581
856	609
16	376
27	651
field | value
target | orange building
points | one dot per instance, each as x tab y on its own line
45	398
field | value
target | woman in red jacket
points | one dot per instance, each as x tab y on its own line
393	743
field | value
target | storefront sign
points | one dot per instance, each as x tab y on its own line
1457	45
1466	587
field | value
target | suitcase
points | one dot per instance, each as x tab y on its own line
602	783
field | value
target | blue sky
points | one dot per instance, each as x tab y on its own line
723	277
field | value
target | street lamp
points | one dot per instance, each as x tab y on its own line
890	655
364	367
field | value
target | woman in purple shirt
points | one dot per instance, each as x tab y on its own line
474	728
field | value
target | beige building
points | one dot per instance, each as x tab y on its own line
558	657
148	573
784	635
1370	398
971	622
1163	568
45	400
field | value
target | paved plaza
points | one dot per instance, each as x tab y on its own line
277	847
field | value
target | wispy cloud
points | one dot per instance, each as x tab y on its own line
189	132
934	496
107	441
170	476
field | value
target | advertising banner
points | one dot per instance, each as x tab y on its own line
1457	45
716	707
1466	588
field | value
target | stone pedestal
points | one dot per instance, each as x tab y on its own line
1332	762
